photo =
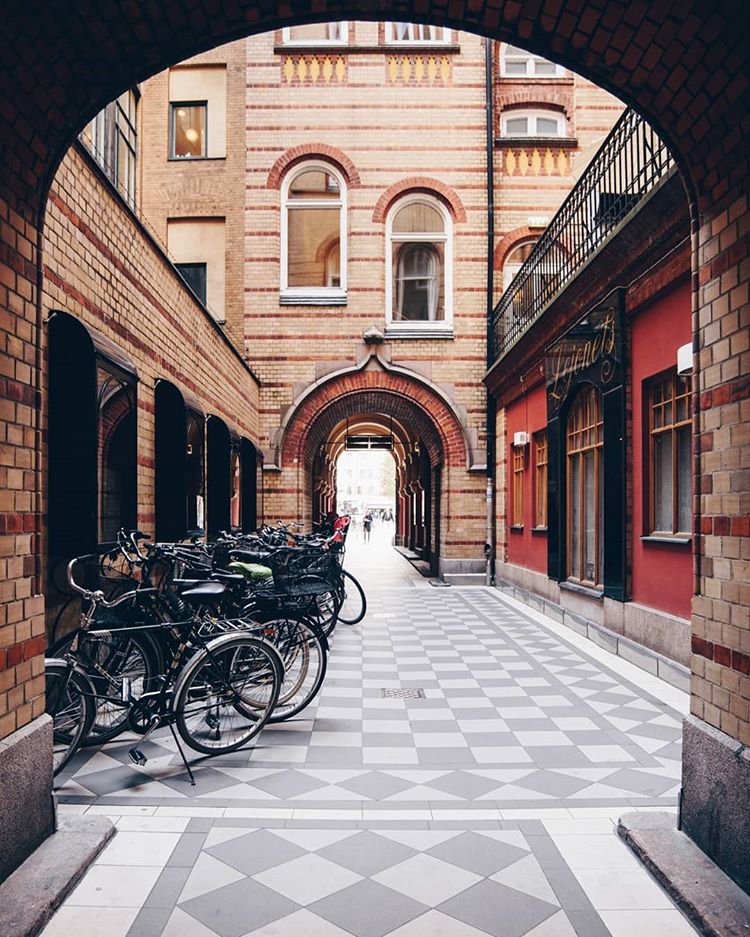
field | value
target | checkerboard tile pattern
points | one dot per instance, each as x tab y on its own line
513	716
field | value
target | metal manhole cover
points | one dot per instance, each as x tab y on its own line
412	693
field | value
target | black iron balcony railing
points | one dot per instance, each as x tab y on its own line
628	165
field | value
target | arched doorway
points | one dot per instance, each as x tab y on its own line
661	62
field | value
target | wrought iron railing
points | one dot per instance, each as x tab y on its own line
628	165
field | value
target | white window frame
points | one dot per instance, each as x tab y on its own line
533	114
415	327
443	35
511	269
530	60
312	295
344	40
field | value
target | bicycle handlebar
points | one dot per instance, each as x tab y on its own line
96	595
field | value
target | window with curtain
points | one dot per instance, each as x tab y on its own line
540	479
313	243
518	63
416	33
669	456
315	34
418	262
517	494
585	484
533	123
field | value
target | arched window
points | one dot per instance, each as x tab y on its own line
419	264
515	259
313	221
584	445
540	122
518	63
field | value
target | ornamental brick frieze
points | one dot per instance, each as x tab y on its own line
418	69
314	68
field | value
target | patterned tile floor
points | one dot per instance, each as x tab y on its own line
484	808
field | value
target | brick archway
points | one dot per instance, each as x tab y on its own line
365	391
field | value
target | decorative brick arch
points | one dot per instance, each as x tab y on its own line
321	151
514	237
543	98
444	192
409	398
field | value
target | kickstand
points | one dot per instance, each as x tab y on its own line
182	754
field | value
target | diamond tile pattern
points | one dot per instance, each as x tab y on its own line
501	692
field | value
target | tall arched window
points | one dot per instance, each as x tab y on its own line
313	220
419	265
515	259
584	444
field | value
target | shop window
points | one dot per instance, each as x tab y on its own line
585	479
518	63
92	437
316	34
669	456
519	454
416	34
313	237
537	123
112	138
195	489
188	139
218	476
418	285
195	275
179	447
540	479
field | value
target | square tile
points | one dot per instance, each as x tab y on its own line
367	853
255	852
368	909
477	853
307	878
238	908
498	910
427	879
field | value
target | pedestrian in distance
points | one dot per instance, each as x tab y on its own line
367	526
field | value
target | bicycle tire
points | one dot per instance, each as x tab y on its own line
353	607
70	702
304	654
236	677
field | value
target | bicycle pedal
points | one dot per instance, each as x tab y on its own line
212	721
137	756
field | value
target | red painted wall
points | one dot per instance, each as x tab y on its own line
662	573
525	548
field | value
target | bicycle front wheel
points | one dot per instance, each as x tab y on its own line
70	701
227	692
353	600
305	658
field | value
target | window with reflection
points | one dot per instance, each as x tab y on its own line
518	63
316	34
669	449
313	261
585	486
188	130
419	262
541	462
536	123
112	139
195	492
116	451
235	493
416	33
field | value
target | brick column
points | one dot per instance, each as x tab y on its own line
27	814
716	765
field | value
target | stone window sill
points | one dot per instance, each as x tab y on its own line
577	587
675	540
313	298
539	530
393	332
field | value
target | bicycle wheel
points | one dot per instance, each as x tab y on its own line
305	659
353	600
227	692
70	701
121	667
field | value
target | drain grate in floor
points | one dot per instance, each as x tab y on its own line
412	693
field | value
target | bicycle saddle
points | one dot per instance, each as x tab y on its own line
204	591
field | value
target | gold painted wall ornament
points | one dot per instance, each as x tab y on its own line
419	69
318	68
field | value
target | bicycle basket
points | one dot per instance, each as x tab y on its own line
311	572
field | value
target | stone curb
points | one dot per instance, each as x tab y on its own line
715	904
31	895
